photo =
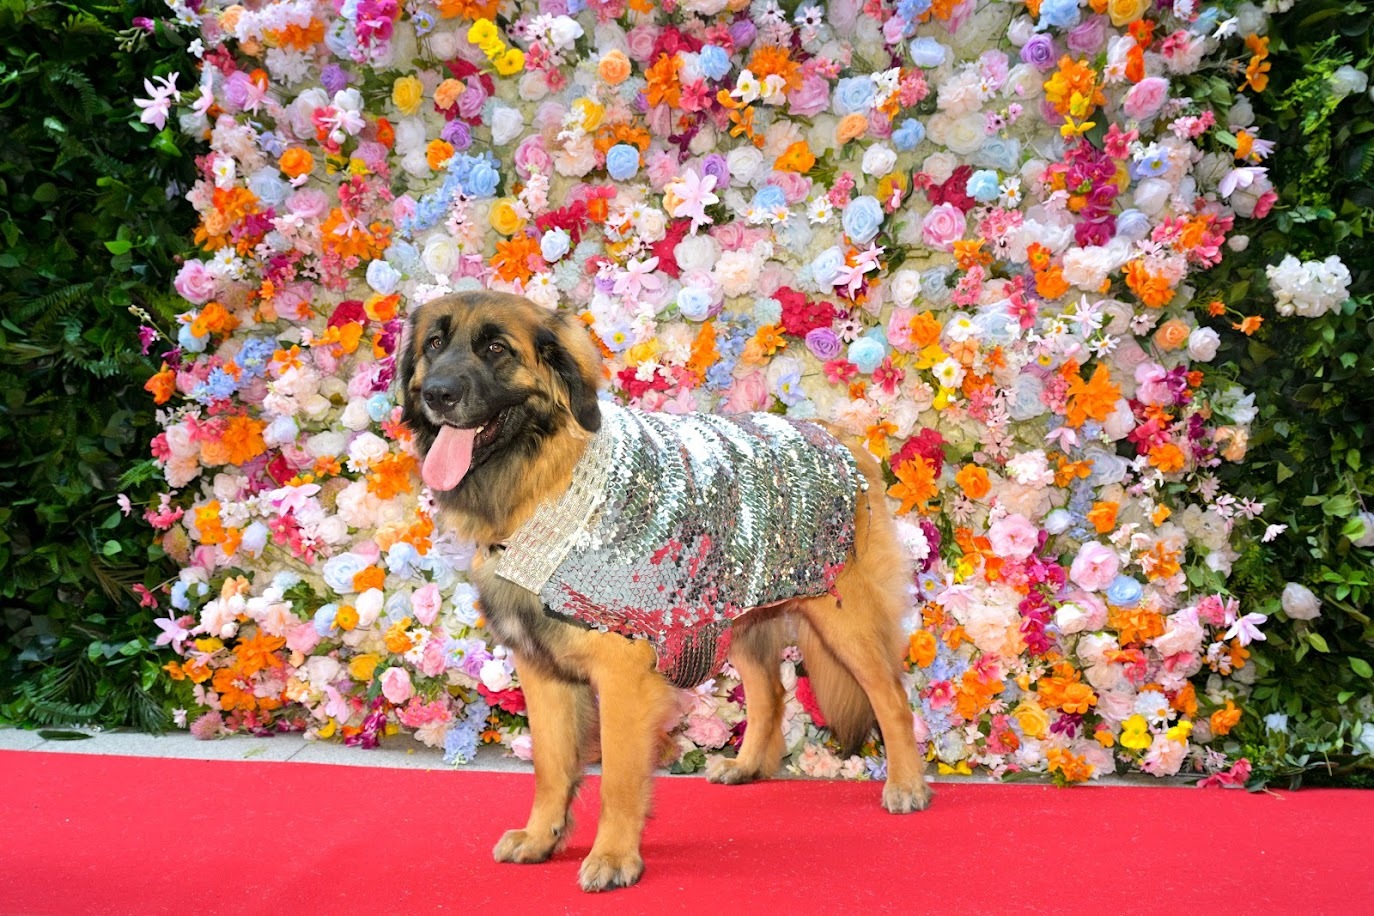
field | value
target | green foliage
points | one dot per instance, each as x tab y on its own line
88	231
1313	380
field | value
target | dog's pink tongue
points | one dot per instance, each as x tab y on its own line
449	458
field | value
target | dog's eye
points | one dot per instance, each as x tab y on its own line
434	343
496	348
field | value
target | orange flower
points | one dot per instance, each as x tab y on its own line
512	258
851	127
242	439
770	338
1050	283
437	152
771	60
925	330
259	652
614	67
973	480
391	476
371	577
1135	625
1185	700
921	650
1094	399
397	642
1249	324
208	523
234	692
1038	257
1074	78
915	486
1152	289
296	162
162	385
1223	720
346	618
1103	516
1168	457
1068	766
468	9
876	438
704	352
796	158
663	86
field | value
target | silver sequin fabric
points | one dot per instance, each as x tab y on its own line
675	525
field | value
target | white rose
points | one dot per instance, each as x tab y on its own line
879	160
369	607
745	163
905	286
1071	618
737	272
696	252
366	449
440	256
1021	30
1348	80
1202	344
410	135
1299	603
1152	195
939	166
326	445
506	125
443	45
355	416
495	674
533	86
563	31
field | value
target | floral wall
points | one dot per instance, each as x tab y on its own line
975	235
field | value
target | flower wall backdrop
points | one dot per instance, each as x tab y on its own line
971	234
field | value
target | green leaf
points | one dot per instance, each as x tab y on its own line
119	246
53	734
1318	642
1361	667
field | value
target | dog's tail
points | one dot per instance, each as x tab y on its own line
847	711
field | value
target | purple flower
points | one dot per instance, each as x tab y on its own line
823	343
459	134
716	166
333	78
146	336
1039	52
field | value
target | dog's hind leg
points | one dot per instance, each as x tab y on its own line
859	631
635	704
559	711
755	652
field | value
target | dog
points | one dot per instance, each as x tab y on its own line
501	397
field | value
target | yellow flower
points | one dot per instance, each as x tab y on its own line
1033	720
504	218
510	63
482	31
493	48
1124	12
328	729
1135	733
407	94
591	114
1180	731
362	666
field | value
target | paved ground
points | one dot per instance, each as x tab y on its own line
399	752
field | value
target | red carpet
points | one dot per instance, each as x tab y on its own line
96	835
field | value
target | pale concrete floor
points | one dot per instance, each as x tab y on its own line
397	752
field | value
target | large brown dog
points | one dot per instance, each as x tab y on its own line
520	383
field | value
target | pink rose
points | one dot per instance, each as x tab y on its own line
531	157
661	168
640	40
1013	536
1152	386
943	226
794	187
396	685
1146	98
194	282
302	638
1095	566
425	602
747	394
707	731
308	204
810	98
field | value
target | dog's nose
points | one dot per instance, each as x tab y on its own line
441	394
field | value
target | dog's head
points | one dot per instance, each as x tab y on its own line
485	375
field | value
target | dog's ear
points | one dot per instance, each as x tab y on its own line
563	346
406	367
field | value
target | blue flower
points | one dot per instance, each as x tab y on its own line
1062	14
378	408
217	386
482	180
767	311
622	161
720	375
789	388
460	744
982	186
769	197
1124	592
694	303
909	135
867	354
324	619
1152	164
998	153
826	265
715	63
190	342
911	10
863	216
853	94
927	52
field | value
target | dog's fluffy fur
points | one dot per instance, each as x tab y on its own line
529	376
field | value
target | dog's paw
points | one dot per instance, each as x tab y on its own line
520	846
606	872
728	772
904	799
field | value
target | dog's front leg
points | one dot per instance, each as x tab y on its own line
636	704
558	711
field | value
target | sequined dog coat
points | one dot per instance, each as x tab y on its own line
673	526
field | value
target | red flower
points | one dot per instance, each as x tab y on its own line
346	311
800	316
927	444
807	697
512	701
663	248
953	190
